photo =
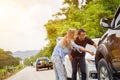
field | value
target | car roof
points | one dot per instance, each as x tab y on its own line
41	58
117	12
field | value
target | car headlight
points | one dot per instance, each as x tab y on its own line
93	75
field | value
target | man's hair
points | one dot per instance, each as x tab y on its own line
80	30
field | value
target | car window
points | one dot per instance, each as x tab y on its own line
38	61
43	59
46	60
117	22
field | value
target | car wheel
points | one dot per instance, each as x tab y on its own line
103	71
69	78
48	67
52	67
37	69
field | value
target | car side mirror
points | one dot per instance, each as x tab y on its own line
105	22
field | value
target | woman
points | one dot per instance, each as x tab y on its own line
63	48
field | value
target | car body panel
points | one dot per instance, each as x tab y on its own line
109	45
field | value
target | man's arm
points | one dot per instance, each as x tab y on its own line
70	57
95	45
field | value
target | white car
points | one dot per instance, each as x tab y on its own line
90	64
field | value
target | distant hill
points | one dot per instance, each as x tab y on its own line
25	54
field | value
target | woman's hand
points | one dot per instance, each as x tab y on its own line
85	50
92	53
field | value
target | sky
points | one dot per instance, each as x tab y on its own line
22	21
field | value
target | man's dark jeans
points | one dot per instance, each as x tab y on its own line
82	66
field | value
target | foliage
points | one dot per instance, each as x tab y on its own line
2	71
87	17
19	67
6	59
109	4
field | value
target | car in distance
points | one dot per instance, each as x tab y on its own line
107	58
43	62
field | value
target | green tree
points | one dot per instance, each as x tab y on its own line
6	59
88	17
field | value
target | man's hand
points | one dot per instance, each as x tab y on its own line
95	45
70	57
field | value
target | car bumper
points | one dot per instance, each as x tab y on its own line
44	65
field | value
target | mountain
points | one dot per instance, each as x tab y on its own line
25	54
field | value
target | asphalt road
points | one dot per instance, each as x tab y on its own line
30	73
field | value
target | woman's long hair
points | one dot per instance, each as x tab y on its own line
66	41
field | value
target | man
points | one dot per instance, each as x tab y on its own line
77	57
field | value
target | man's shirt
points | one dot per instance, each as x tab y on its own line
82	43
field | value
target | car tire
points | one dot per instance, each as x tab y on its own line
37	69
48	68
69	78
103	71
52	67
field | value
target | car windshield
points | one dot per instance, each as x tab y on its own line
117	23
46	60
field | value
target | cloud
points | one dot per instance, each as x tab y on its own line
22	23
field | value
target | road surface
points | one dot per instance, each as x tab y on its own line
30	73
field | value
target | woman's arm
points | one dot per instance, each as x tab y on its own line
80	48
85	50
77	47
